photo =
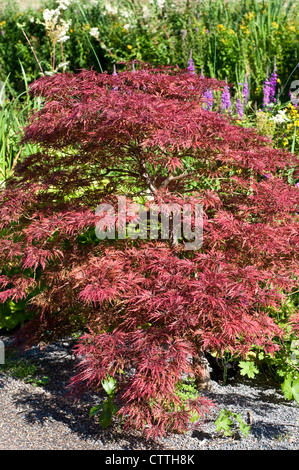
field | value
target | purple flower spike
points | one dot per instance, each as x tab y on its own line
266	90
245	92
191	66
273	82
208	95
225	99
208	99
239	107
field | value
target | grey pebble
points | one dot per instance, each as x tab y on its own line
43	418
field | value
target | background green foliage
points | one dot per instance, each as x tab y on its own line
227	39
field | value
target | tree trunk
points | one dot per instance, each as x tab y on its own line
202	369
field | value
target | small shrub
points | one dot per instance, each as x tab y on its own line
148	305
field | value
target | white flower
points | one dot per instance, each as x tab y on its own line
94	32
50	17
61	31
111	9
145	11
63	65
63	4
125	14
161	3
63	39
280	117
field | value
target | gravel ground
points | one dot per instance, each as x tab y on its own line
43	418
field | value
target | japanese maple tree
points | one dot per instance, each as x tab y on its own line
149	309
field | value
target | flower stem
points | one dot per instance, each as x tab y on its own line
33	51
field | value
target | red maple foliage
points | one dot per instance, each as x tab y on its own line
147	306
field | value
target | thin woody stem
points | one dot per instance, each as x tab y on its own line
33	51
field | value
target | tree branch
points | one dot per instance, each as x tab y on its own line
146	177
175	178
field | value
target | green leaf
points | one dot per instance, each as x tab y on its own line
95	410
223	422
290	388
244	429
109	385
248	368
286	388
16	307
114	408
295	388
105	417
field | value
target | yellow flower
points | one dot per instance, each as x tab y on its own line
220	26
250	15
296	123
251	354
278	80
275	24
129	46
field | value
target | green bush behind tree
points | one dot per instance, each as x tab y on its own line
227	39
